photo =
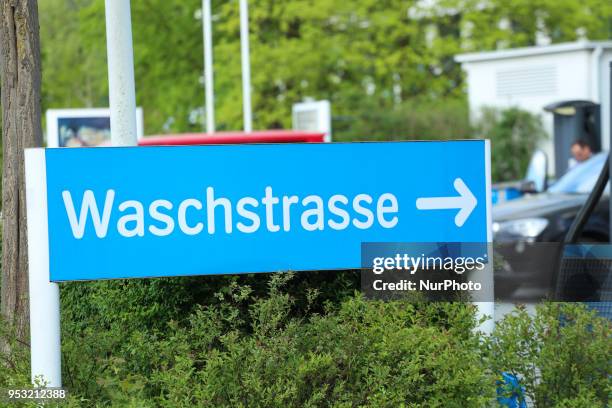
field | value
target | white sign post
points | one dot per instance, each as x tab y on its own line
44	295
487	309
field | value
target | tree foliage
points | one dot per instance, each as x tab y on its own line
363	56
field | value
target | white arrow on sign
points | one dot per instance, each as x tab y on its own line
465	202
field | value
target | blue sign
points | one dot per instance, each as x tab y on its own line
202	210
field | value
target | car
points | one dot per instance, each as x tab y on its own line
528	232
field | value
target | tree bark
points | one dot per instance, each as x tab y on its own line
21	128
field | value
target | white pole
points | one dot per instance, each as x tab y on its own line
208	67
487	307
45	344
246	66
120	54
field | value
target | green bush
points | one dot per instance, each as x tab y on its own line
15	371
514	135
146	344
414	119
562	354
358	354
14	367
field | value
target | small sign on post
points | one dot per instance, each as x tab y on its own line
313	116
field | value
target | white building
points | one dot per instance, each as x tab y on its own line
533	77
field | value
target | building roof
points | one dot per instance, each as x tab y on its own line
531	51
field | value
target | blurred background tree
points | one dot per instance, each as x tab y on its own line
374	60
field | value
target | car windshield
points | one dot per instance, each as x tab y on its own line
581	178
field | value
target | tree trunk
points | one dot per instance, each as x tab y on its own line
21	128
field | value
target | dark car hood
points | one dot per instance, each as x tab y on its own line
536	205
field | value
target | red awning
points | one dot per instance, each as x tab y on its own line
263	136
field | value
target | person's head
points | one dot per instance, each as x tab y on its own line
581	150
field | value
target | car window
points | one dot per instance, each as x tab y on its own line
581	178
